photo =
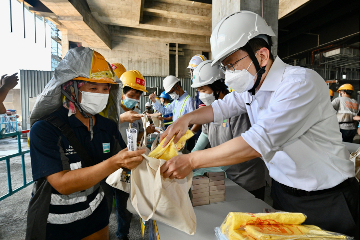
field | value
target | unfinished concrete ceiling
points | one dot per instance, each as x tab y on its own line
171	21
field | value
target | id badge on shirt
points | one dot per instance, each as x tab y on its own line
225	123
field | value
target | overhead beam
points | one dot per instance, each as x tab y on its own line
342	10
160	36
162	17
177	10
76	16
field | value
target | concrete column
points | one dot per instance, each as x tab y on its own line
64	41
177	60
268	9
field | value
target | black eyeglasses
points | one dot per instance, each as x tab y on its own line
230	67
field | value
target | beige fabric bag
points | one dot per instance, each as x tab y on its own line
164	200
156	198
355	158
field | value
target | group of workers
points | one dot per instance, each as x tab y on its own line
277	121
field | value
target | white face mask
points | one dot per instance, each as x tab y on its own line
174	95
206	98
240	80
93	103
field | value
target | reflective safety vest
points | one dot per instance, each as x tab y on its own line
183	106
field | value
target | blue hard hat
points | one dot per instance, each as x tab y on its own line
165	95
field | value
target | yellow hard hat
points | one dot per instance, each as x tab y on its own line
134	79
346	86
100	71
118	68
331	93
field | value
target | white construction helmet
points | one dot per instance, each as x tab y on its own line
196	60
147	104
205	74
169	82
234	31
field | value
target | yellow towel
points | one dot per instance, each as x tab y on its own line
289	231
239	235
171	149
236	220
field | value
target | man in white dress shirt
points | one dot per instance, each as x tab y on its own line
294	127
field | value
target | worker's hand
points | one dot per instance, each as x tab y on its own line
127	159
178	128
152	97
130	116
150	129
356	118
177	167
9	82
160	118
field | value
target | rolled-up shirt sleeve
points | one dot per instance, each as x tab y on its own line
293	109
164	110
231	105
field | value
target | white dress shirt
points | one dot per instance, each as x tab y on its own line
294	128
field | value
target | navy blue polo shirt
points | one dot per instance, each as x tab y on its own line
85	212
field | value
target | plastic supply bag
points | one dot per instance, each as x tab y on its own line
355	158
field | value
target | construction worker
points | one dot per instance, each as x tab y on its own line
210	83
293	127
331	94
165	100
196	128
182	102
128	116
346	108
73	149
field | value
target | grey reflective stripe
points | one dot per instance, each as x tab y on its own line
183	105
75	216
76	197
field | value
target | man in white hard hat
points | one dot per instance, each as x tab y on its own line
294	127
182	102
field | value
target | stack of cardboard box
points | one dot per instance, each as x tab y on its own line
216	186
208	189
200	191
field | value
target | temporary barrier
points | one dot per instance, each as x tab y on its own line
8	158
8	124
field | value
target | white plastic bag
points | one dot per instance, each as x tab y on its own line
355	158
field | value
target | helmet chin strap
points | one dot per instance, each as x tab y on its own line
77	105
259	70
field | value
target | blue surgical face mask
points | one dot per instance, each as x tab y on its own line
130	103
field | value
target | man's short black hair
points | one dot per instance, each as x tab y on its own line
258	43
218	87
348	92
126	89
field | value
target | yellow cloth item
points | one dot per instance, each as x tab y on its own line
239	235
289	231
236	220
171	149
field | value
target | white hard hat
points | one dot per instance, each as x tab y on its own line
205	74
196	60
234	31
169	82
147	104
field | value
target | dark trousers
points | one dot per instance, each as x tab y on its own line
123	216
348	135
259	193
336	211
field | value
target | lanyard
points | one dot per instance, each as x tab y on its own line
183	105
